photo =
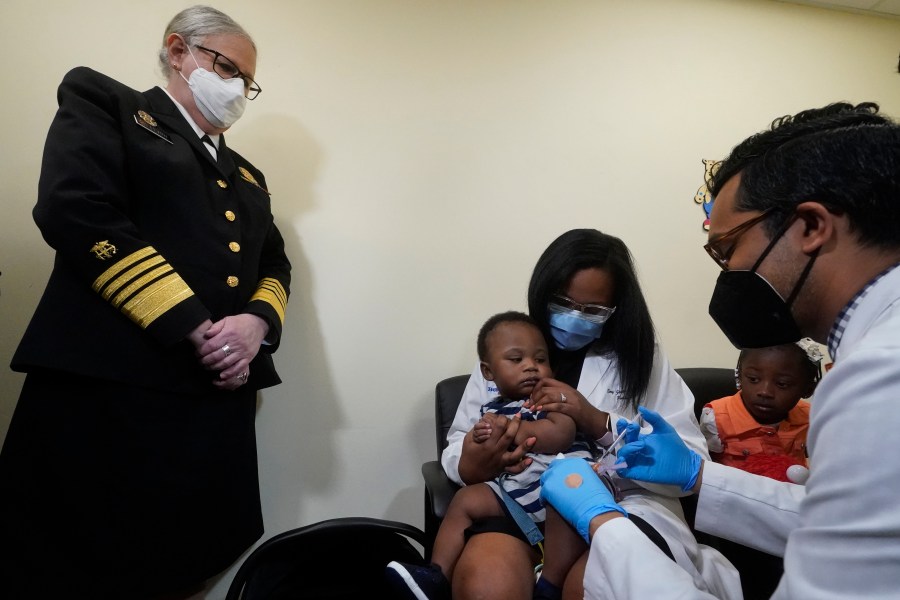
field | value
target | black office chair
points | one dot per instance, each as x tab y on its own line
439	489
707	384
338	559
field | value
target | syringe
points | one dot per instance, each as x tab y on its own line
611	447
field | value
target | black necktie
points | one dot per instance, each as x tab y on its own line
206	140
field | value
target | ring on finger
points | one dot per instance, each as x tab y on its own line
226	349
243	377
562	397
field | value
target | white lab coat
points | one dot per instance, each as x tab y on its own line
840	534
666	394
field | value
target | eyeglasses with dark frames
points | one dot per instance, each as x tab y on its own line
715	247
226	69
594	310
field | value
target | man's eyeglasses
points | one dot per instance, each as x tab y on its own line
225	68
594	310
717	248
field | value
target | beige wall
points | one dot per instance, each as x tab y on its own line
421	155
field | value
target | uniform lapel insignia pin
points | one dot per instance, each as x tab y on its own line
146	121
146	118
103	250
248	176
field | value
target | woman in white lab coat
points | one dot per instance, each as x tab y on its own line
585	295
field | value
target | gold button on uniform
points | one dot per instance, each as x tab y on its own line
229	215
232	281
234	247
222	183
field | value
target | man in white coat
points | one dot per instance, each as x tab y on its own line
806	228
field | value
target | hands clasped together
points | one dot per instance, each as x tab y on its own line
228	346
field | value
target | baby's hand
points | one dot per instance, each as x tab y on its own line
484	428
481	431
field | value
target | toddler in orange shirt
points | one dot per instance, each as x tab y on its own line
763	427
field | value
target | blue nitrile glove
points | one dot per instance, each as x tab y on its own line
633	430
660	456
576	492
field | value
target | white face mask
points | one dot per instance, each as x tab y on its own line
220	101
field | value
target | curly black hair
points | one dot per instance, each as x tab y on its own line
844	156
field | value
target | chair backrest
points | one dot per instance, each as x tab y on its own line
343	558
706	384
447	394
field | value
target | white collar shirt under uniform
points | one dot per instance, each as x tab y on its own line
213	146
839	534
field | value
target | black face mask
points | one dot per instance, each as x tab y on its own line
750	312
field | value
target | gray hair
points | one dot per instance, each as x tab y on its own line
194	24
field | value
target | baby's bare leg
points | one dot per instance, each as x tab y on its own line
562	548
472	502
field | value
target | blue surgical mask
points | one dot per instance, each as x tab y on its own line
571	329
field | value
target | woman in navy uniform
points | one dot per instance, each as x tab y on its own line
129	470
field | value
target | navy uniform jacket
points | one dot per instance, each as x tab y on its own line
152	236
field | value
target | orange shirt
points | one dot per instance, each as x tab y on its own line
742	436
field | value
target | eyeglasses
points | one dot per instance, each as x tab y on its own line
225	68
715	247
594	310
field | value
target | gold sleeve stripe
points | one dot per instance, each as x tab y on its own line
127	283
156	299
272	292
126	292
143	286
276	288
120	266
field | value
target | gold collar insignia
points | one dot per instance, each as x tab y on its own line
148	123
248	176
